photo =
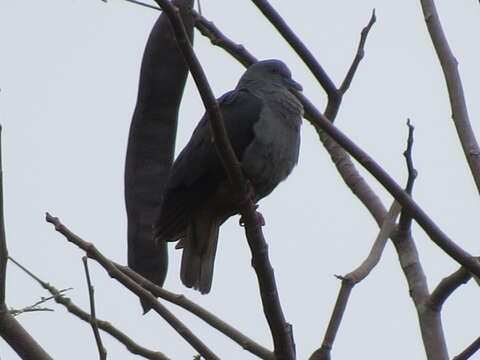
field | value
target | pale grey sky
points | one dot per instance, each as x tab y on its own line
68	78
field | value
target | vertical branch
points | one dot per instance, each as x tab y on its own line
455	89
429	319
93	317
3	240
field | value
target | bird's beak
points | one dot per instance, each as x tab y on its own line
293	85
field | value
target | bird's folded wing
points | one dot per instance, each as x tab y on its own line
197	172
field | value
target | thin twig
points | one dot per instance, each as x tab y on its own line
131	345
359	55
429	319
469	351
102	352
279	328
455	89
34	307
3	240
210	318
145	295
353	278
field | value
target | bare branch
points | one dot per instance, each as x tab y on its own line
133	347
469	351
145	295
353	278
210	318
35	307
429	319
102	352
359	56
455	89
446	287
3	240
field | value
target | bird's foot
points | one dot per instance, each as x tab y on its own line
259	219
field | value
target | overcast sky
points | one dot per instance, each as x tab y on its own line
68	78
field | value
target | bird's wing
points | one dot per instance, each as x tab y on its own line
197	172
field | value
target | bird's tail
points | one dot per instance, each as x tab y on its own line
199	248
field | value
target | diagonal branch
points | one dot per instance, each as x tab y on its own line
455	89
469	351
131	345
145	295
353	278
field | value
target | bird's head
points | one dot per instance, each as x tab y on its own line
269	74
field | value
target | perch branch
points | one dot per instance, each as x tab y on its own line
102	352
458	104
133	347
145	295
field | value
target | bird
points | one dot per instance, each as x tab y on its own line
262	117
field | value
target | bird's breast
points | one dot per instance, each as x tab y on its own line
273	153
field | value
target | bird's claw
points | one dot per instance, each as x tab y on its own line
259	219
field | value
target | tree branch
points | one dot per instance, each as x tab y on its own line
302	51
429	319
102	352
359	56
469	351
353	278
145	295
455	89
131	345
446	287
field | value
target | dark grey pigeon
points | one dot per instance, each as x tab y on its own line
262	118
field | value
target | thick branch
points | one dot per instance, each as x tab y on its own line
145	295
455	89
